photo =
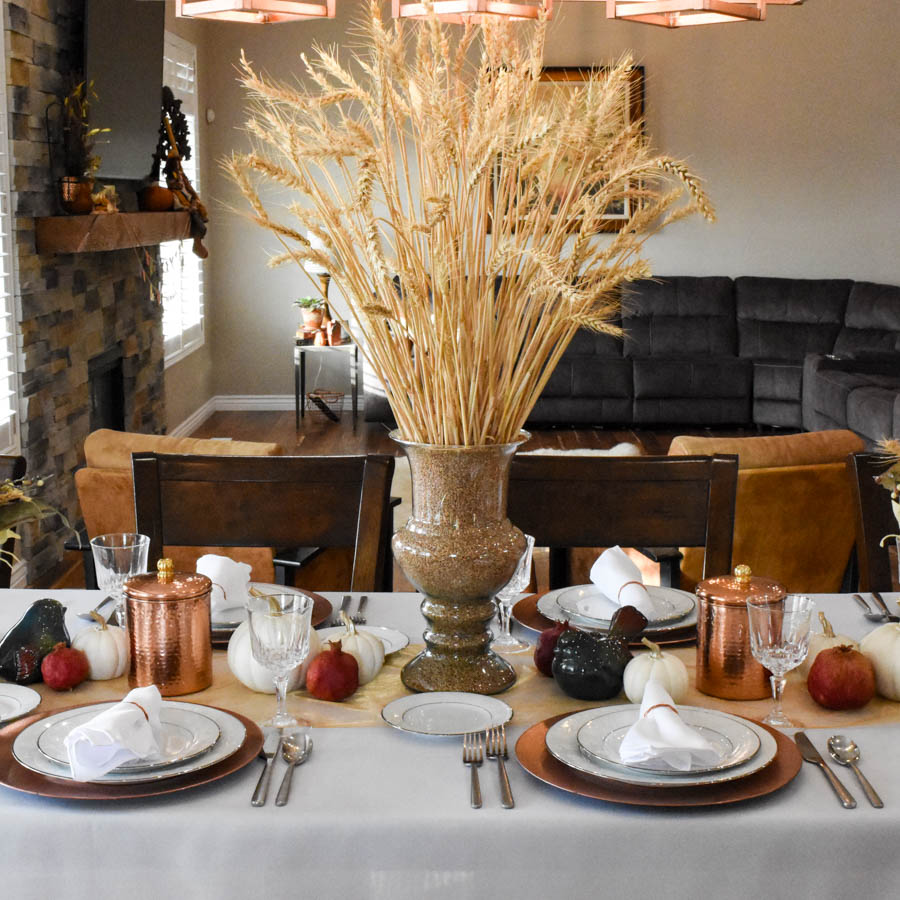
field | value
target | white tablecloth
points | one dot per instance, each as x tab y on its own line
378	813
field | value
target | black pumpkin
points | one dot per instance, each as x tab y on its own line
26	644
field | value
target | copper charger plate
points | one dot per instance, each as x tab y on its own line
14	775
534	757
526	613
321	611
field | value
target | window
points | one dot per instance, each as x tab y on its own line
9	437
181	273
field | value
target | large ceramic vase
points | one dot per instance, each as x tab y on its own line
458	548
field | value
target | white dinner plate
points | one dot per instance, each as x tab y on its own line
589	602
548	606
392	639
562	742
734	739
186	733
16	700
222	619
231	737
446	713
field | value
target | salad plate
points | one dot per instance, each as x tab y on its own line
735	741
588	602
232	733
17	700
446	713
185	734
562	742
392	639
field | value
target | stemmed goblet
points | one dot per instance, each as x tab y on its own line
279	639
779	639
118	557
505	642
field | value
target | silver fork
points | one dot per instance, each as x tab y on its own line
358	618
495	748
335	620
473	756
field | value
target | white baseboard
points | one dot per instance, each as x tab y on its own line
244	403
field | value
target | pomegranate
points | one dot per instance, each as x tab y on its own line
64	667
543	651
333	674
841	678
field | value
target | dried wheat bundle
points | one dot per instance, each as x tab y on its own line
458	209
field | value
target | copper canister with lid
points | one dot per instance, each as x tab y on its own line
725	666
168	630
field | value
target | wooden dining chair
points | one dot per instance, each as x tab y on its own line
12	468
587	501
874	519
277	501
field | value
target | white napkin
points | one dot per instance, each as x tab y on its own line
619	578
129	730
660	733
231	581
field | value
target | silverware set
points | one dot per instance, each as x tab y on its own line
294	749
883	615
357	618
490	743
845	752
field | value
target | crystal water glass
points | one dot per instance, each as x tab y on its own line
279	638
505	642
118	557
779	640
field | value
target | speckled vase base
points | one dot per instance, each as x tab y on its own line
458	548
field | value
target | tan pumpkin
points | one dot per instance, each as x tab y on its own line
882	646
823	641
367	649
106	649
662	667
257	677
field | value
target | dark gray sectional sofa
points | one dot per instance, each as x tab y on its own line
746	351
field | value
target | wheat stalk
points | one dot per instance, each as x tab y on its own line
459	210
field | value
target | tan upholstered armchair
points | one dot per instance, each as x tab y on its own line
794	520
106	491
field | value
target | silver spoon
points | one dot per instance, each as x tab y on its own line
844	751
295	749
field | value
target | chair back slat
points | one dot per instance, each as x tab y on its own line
874	519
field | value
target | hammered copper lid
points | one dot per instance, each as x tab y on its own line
736	589
167	584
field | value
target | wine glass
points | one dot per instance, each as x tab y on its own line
118	557
505	642
779	639
279	639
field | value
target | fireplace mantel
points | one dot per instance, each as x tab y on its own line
109	231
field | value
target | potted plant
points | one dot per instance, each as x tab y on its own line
313	311
79	160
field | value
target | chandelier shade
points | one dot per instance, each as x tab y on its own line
472	11
681	13
254	12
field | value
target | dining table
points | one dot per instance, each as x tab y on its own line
379	812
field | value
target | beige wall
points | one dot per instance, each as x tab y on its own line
794	123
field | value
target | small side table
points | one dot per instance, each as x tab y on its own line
302	346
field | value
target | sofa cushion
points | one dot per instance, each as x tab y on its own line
871	410
679	315
599	377
703	411
830	389
685	378
872	321
777	379
581	411
786	318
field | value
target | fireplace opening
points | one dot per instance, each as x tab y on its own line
107	386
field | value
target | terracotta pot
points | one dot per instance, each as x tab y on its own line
75	194
334	333
312	318
156	198
459	549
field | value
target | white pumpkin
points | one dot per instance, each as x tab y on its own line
664	668
257	677
882	646
823	641
367	649
106	649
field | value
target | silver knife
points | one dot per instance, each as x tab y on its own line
811	755
271	749
879	601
